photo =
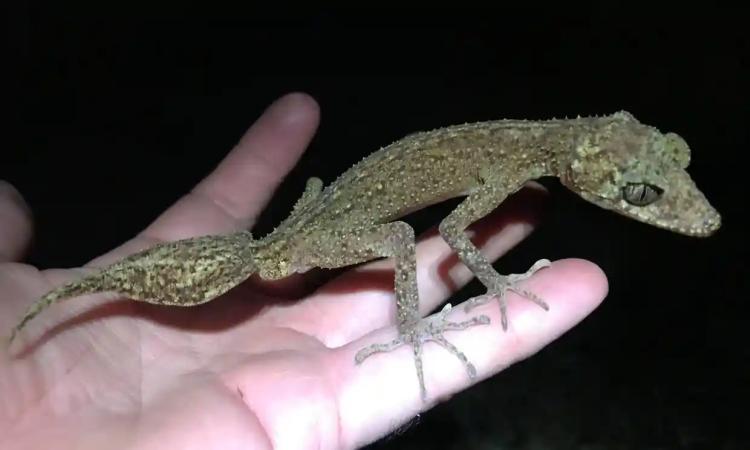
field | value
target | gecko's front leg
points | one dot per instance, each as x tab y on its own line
474	207
396	239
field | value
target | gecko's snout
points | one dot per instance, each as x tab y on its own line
711	224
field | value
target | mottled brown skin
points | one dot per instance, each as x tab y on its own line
612	161
181	273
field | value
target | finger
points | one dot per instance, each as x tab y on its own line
332	316
383	392
236	191
15	223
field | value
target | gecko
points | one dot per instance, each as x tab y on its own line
613	161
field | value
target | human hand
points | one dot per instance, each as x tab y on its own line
253	369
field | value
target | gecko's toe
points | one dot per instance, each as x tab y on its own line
428	329
512	283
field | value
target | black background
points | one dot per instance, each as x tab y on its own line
115	114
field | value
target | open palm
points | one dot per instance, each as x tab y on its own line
268	365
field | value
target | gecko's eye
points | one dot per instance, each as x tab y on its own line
641	194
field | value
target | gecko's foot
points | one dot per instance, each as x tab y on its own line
430	328
510	283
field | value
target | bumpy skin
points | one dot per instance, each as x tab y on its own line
181	273
612	161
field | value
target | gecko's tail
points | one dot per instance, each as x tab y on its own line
87	285
184	273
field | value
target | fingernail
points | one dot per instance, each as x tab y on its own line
293	107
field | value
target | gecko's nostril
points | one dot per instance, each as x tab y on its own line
713	222
709	225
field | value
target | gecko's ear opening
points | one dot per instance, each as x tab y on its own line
677	149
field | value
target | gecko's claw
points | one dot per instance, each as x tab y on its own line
428	329
510	283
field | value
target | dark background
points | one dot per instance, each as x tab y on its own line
115	114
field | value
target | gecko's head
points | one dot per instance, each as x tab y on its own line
637	171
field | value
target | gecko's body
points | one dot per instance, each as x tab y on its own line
613	161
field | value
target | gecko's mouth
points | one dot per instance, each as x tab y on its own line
701	225
704	227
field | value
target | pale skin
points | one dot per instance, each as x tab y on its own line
243	380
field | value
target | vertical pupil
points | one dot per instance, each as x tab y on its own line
644	193
641	193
